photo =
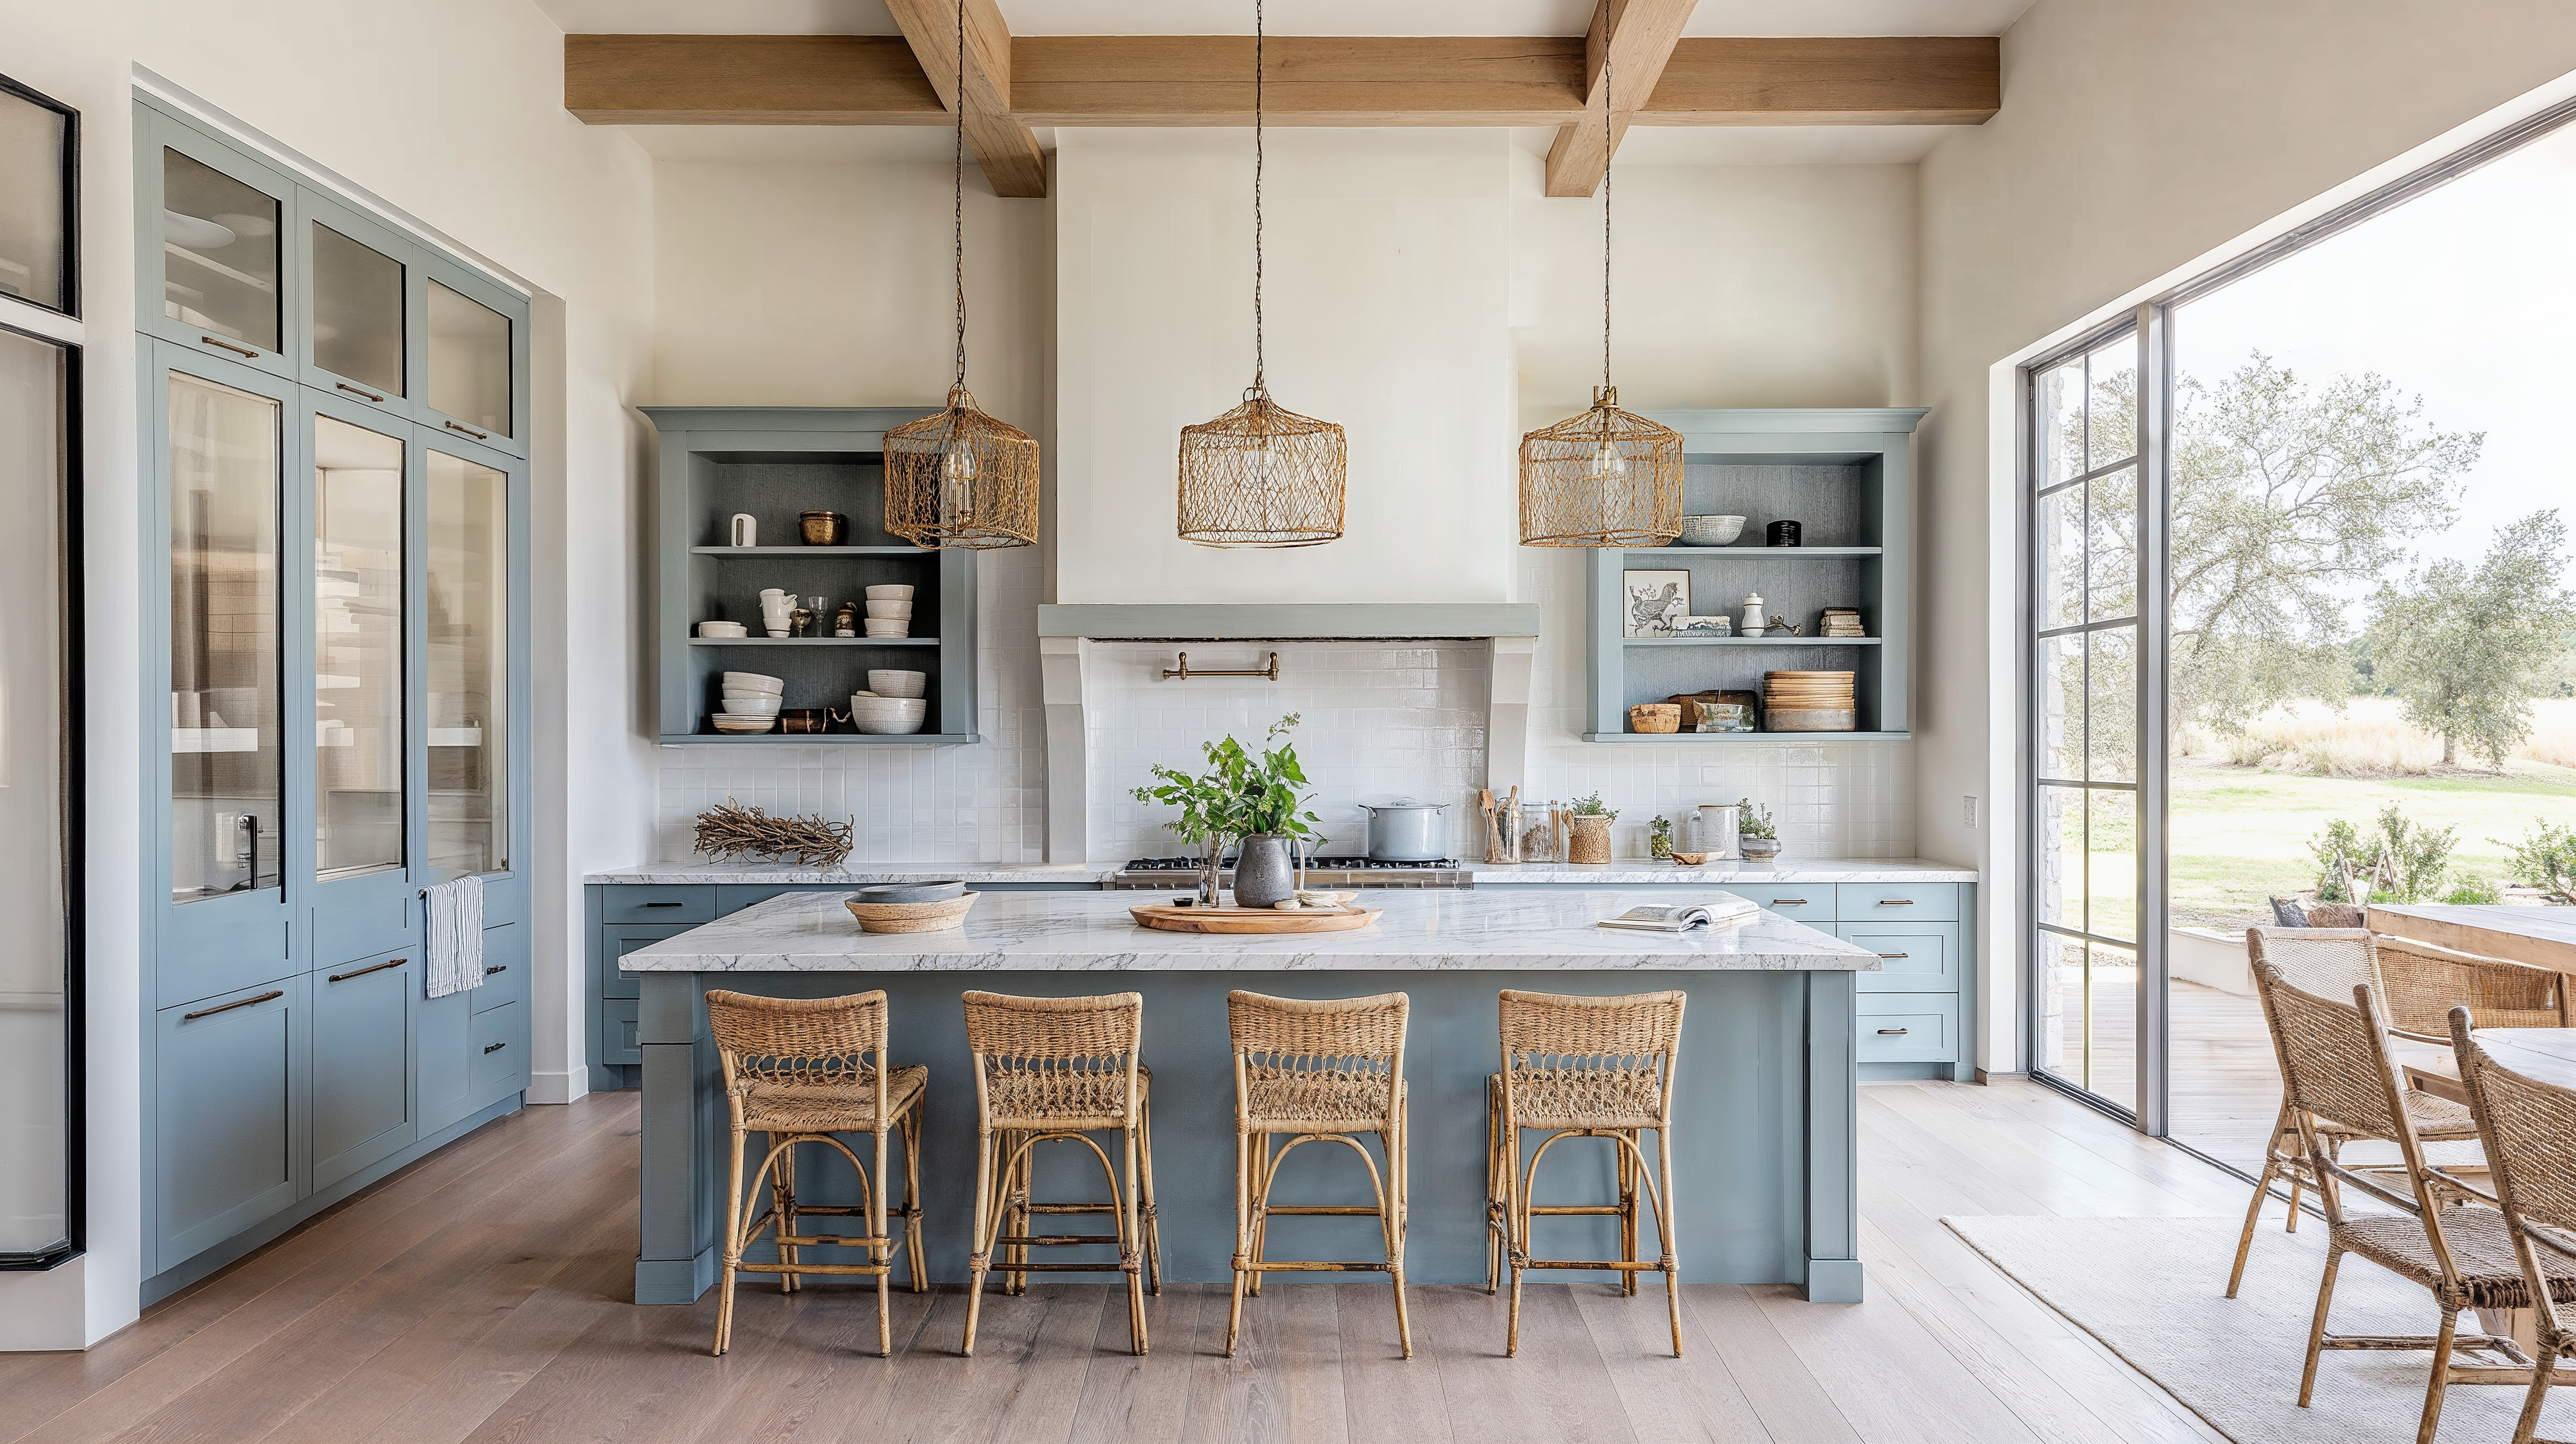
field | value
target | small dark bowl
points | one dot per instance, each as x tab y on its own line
909	892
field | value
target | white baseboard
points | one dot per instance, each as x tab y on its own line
558	1087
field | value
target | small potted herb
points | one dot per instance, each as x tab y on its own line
1588	830
1758	836
1660	841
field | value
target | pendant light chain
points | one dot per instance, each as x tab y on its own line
1606	99
1258	359
958	214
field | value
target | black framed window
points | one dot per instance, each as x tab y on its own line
39	199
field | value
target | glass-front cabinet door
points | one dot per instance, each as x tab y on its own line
358	637
475	360
214	226
361	299
469	653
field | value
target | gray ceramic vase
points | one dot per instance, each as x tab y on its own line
1265	874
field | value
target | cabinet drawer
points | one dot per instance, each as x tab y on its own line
733	897
658	903
1917	958
363	1023
1873	902
615	943
1909	1027
1807	902
617	1033
231	1127
505	967
496	1064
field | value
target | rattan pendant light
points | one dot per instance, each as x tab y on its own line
1606	478
959	478
1261	475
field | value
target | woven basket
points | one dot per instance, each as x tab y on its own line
1655	717
1587	838
926	917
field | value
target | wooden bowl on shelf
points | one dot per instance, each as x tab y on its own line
921	917
1655	717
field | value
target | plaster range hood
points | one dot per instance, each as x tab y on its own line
1066	634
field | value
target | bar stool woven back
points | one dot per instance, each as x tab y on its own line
1321	1072
799	1071
1059	1070
1582	1067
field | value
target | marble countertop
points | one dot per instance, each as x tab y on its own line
1634	871
1427	929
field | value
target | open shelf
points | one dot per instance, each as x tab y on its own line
1747	736
905	550
1768	554
816	739
813	641
1750	641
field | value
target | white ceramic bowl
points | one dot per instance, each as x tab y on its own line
748	682
723	629
1711	531
749	726
889	683
887	716
889	610
751	706
876	628
890	594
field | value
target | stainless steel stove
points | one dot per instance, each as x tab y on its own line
1167	874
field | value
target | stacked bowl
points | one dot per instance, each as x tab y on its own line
888	716
750	703
889	611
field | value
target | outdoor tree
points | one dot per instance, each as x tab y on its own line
2466	648
2287	498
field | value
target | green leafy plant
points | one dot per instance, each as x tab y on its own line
2469	889
1593	806
2401	861
2546	860
1243	793
1752	821
1660	843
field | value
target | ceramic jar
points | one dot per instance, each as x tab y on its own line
1265	872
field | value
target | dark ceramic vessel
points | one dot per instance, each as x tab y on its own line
1264	871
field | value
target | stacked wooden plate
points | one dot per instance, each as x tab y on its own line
1808	702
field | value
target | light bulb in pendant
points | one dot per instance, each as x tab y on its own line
957	468
1608	462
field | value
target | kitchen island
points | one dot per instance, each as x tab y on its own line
1765	1107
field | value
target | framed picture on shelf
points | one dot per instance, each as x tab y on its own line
1657	601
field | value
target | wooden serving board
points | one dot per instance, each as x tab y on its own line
1251	920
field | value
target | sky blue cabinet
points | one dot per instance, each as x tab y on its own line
336	549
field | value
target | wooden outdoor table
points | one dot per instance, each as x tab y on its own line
2548	1054
2544	937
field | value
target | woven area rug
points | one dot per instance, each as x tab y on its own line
2153	1290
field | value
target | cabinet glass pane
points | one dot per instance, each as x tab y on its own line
34	1021
357	311
32	139
218	253
469	703
469	360
357	648
224	682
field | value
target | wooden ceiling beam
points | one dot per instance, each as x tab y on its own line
1631	41
1206	80
1002	144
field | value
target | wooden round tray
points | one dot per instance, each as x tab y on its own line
1251	920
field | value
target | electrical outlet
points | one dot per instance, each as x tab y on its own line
1968	811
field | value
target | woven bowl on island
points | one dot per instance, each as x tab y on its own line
922	917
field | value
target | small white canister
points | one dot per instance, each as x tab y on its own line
1752	626
1717	830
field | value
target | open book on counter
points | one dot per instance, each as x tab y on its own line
1661	918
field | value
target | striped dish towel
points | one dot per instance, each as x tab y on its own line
455	935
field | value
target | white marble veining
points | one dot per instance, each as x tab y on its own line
1627	872
1422	929
854	873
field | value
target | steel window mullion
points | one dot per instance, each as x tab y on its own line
2155	475
2071	628
2106	786
2096	474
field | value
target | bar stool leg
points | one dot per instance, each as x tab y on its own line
1496	1189
912	1197
1391	1205
1153	1225
1019	1176
733	1248
1625	1144
1242	1235
1517	1246
1664	1206
782	1194
979	1260
881	1251
1131	1240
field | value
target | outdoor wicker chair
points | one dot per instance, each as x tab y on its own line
2530	1132
1318	1072
2337	1065
1051	1070
799	1071
2418	984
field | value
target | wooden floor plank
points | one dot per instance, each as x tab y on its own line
1880	1365
1387	1395
1725	1322
1665	1398
1125	1397
1558	1387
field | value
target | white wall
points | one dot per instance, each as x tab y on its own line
454	114
2137	144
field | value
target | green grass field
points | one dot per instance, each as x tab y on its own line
2240	834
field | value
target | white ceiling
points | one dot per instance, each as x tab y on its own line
1288	17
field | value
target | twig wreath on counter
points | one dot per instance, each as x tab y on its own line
734	831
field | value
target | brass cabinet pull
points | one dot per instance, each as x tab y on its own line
1896	902
1893	956
362	972
470	431
1891	1032
1788	902
229	346
497	1047
357	391
228	1007
496	968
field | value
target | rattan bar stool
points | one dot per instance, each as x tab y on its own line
800	1071
1316	1072
1058	1070
1577	1067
